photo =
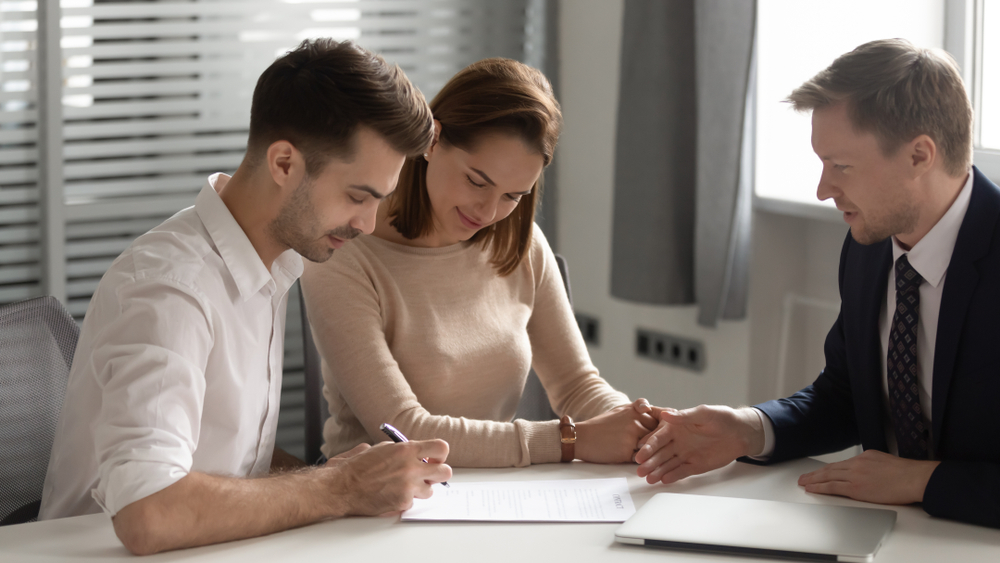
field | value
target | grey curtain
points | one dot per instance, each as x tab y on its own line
684	155
545	13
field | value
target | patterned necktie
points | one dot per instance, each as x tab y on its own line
904	386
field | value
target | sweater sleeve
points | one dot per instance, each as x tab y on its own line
347	321
559	354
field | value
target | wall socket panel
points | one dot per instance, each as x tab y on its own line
590	328
671	350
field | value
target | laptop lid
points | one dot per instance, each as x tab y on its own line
813	532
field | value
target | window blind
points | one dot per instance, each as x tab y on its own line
156	96
20	271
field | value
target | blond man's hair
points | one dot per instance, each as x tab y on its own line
897	91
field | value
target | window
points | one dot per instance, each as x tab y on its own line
19	210
989	114
986	28
798	39
795	40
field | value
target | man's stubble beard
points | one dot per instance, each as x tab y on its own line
298	228
902	220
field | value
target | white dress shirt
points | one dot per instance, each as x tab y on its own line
930	258
178	367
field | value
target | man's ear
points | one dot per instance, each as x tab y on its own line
285	164
922	154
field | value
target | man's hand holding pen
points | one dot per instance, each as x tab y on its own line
385	478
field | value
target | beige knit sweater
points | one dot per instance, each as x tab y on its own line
434	342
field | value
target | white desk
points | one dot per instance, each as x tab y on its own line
916	538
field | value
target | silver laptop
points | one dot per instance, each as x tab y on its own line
811	532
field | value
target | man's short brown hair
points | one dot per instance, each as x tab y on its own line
897	91
316	97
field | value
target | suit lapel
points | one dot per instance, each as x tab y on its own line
973	243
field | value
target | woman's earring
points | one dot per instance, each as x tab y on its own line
425	156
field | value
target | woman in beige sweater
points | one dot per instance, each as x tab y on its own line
432	322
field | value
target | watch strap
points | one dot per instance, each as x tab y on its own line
567	439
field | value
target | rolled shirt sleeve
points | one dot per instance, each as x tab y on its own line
150	366
178	367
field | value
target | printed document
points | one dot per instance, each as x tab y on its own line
572	500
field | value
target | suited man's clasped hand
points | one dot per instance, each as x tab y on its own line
694	441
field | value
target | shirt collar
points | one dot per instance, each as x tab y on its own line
236	250
932	254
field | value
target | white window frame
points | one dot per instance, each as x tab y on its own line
963	37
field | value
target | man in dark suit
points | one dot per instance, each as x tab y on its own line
910	368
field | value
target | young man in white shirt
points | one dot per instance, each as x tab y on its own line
910	368
172	405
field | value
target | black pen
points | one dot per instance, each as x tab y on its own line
398	437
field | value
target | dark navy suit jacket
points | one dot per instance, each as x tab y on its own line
844	406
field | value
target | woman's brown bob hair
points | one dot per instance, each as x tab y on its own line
490	96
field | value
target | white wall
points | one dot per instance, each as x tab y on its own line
790	255
590	40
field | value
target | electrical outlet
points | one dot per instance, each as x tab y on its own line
668	349
590	328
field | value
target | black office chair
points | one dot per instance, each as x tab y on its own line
37	341
317	410
534	403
